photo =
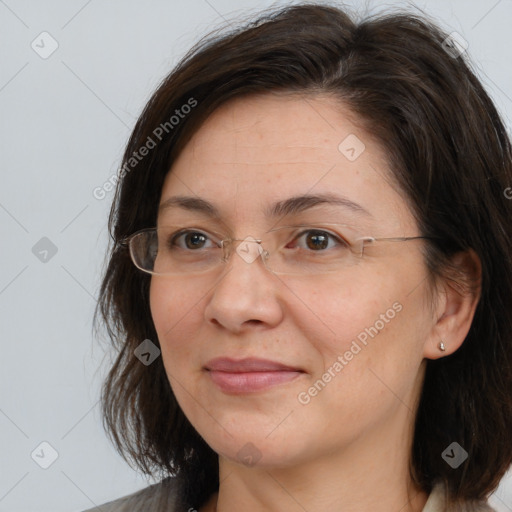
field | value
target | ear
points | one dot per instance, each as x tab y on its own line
457	296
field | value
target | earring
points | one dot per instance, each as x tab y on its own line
441	346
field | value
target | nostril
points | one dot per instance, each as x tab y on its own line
253	322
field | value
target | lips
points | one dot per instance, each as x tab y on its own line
240	376
251	364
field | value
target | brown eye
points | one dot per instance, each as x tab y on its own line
195	240
317	240
191	240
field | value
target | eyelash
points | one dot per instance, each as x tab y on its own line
177	236
338	239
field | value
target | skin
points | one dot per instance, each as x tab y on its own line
348	448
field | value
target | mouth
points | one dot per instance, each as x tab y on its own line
240	376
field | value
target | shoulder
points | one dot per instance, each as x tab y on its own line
437	503
161	497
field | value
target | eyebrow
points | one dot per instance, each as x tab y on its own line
299	204
293	205
189	203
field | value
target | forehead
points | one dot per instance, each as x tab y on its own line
289	128
253	151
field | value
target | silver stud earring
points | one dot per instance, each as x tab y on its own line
441	346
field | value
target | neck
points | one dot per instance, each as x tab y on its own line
361	477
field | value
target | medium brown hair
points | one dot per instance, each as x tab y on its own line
451	156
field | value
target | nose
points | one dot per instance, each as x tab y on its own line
247	294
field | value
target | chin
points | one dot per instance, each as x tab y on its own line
257	451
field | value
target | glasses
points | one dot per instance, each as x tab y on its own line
290	250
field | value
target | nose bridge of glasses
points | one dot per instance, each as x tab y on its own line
248	249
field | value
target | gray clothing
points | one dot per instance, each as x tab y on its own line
165	497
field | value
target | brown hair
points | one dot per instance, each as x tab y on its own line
451	156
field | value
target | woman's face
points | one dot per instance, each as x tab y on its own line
356	337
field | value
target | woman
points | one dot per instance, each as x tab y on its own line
310	284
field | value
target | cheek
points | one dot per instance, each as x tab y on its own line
369	369
336	313
382	324
175	313
172	301
161	303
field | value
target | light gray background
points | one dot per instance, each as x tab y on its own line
64	121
